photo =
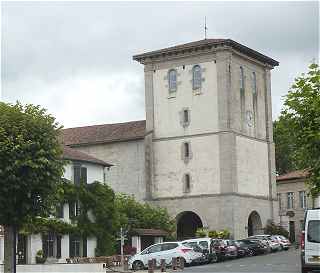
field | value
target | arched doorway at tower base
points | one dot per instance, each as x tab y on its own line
187	224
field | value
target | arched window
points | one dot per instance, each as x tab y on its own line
172	80
254	83
241	78
196	77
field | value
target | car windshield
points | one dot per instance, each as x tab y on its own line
314	231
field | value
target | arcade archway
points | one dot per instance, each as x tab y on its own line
254	224
187	224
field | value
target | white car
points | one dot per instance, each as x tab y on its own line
166	251
206	245
283	241
310	242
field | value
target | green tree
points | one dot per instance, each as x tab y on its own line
133	214
285	146
31	167
302	108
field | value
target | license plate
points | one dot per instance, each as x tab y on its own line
314	259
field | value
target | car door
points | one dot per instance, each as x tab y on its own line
169	250
154	252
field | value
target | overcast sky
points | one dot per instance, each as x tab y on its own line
75	58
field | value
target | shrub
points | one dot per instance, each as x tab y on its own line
275	229
201	232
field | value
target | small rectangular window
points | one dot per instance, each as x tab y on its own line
77	174
187	183
185	116
186	150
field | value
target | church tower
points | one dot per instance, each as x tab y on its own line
209	153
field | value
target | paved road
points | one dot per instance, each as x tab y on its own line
278	262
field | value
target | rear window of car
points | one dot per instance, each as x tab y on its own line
168	246
313	234
190	244
204	244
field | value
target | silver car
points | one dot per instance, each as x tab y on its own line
166	251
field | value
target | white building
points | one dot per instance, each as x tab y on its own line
57	248
205	151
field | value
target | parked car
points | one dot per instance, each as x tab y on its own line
224	249
274	244
264	240
206	245
197	248
241	249
310	242
167	251
255	246
283	241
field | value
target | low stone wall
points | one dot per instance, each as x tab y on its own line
59	268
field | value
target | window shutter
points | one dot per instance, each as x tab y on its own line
84	247
71	249
76	174
71	210
58	246
44	248
84	175
59	210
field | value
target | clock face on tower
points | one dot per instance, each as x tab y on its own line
249	118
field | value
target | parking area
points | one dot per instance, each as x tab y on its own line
283	261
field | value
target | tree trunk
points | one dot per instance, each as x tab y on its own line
9	249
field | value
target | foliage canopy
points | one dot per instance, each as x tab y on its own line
31	164
302	109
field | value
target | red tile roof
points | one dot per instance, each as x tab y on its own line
104	133
207	44
72	154
293	175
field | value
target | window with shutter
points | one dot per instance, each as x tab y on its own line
77	174
59	211
72	212
58	247
84	247
84	175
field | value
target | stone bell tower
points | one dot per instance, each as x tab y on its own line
209	154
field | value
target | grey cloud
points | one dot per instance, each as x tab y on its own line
45	44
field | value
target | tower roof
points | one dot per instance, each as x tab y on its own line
205	44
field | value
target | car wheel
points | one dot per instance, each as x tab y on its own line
250	253
214	258
183	260
137	265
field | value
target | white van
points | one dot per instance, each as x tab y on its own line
310	242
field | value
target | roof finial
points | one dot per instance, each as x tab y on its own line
205	27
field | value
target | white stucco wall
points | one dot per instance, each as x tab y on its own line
127	175
203	167
91	246
252	166
1	249
94	172
34	243
64	248
203	107
68	171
